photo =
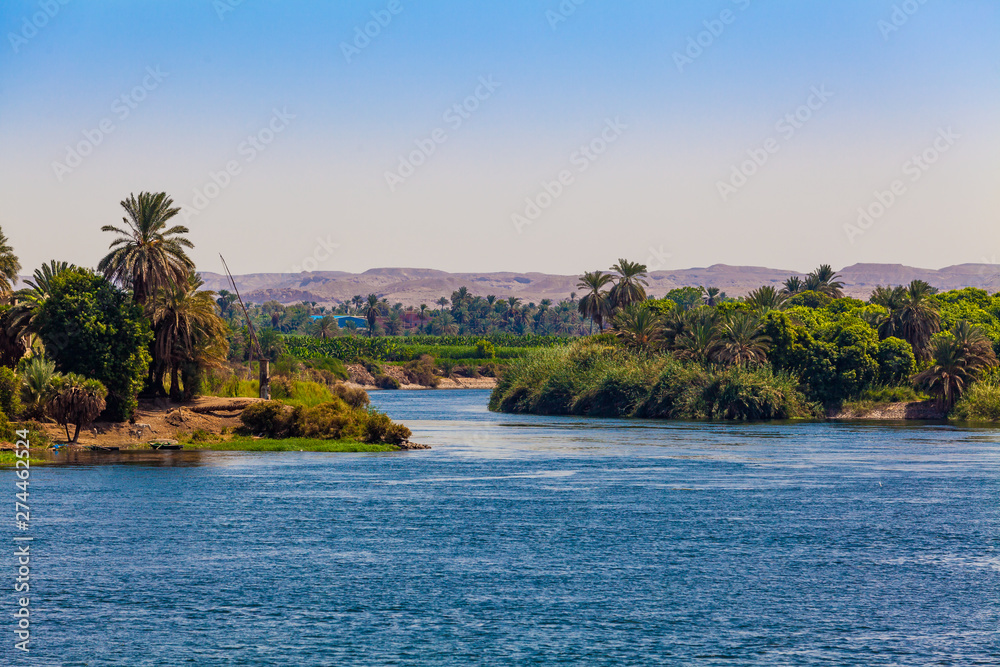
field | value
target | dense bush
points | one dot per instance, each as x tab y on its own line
981	403
94	329
588	378
356	397
10	392
333	420
421	371
386	382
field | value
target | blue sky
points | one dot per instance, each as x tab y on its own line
316	194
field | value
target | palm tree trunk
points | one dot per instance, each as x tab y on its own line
76	433
175	385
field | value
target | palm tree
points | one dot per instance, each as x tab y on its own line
742	340
357	300
325	327
711	296
21	320
892	299
187	330
373	309
918	318
9	267
512	307
957	359
792	285
700	338
631	285
975	345
443	301
764	299
147	256
76	400
596	302
37	381
639	327
824	280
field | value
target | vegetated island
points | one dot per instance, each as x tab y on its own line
801	352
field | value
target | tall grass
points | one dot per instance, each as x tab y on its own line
981	403
591	378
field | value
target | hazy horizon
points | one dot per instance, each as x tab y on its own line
875	85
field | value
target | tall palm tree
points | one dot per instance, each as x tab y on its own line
443	301
513	305
631	285
373	308
919	318
825	280
596	301
187	329
765	298
9	267
792	285
147	256
711	296
956	360
639	327
892	299
742	340
21	318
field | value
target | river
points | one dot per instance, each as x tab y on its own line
528	540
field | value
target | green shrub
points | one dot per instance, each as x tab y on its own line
379	428
755	393
421	371
269	418
281	387
10	392
890	394
486	350
896	362
678	393
7	431
201	435
618	393
981	403
386	382
334	420
356	397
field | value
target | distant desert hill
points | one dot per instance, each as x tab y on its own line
415	286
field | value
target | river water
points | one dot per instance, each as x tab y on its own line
528	540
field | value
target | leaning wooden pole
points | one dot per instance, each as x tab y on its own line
255	349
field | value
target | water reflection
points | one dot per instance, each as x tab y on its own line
130	457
